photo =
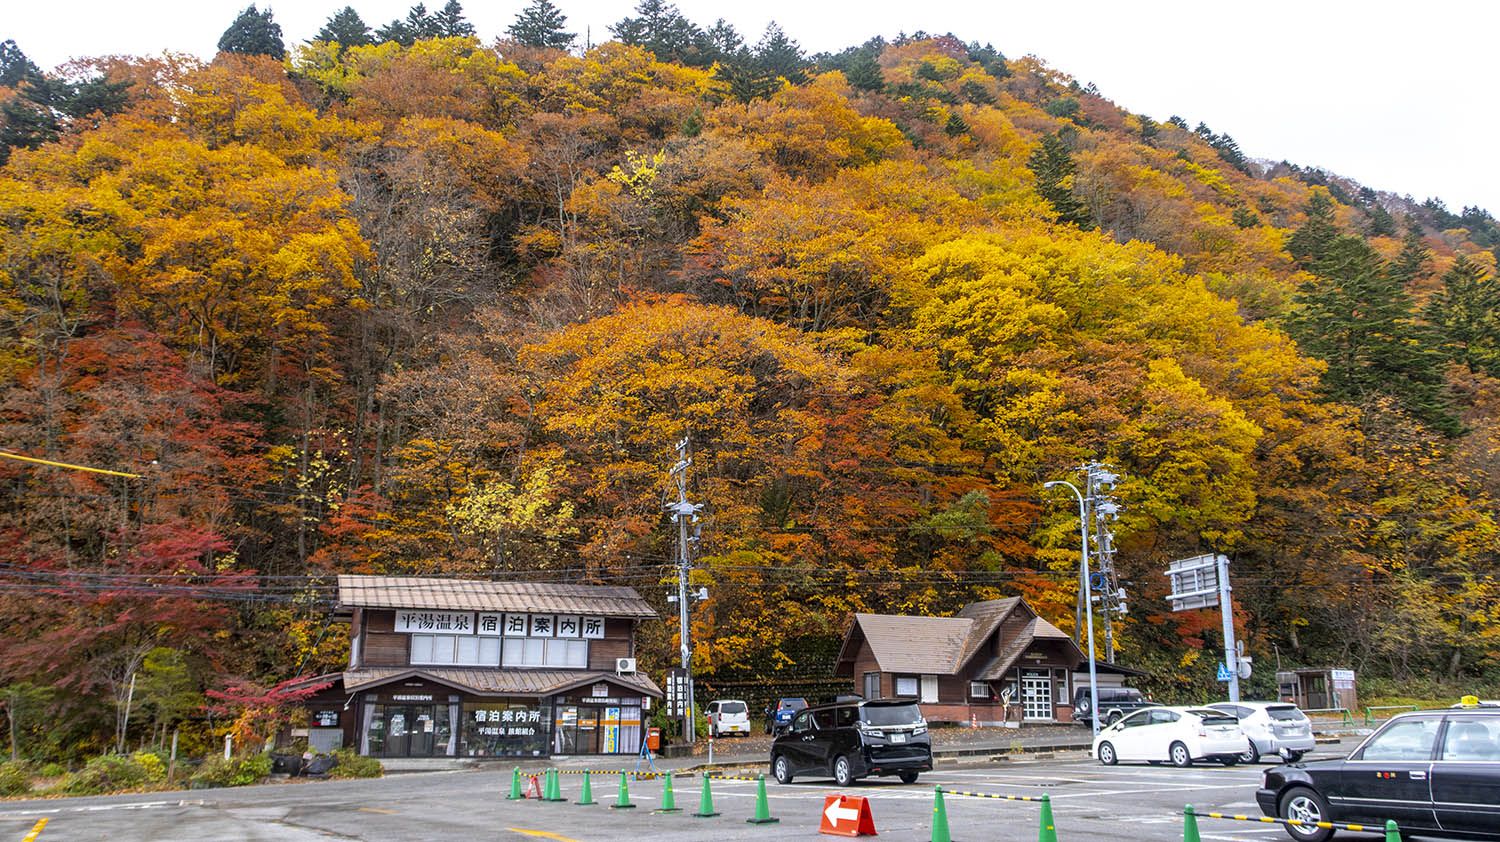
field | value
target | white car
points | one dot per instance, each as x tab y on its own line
1272	728
1177	735
728	716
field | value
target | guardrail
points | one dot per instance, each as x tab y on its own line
1370	711
1344	713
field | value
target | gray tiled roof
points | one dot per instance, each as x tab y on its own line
473	595
915	644
495	682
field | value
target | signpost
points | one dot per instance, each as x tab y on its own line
1201	582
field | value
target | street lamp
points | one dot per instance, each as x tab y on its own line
1088	599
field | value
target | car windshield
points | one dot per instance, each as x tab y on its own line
1120	694
1286	713
732	707
792	704
1214	717
891	714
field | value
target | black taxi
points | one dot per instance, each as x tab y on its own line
852	740
1433	772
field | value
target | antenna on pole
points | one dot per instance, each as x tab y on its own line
684	514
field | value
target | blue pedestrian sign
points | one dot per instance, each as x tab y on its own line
1224	672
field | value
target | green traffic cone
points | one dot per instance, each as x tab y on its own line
939	818
586	797
1190	825
556	787
706	801
668	800
623	803
762	806
1048	832
515	785
1392	832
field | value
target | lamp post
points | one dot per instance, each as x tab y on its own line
1088	600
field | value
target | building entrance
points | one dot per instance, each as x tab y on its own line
409	730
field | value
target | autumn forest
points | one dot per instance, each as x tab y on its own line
404	300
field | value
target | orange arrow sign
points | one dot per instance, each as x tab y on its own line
845	815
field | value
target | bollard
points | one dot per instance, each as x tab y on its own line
762	806
939	817
623	802
1048	833
515	785
1190	825
1392	832
706	801
586	797
668	800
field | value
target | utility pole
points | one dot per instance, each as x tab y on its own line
1226	610
1201	582
684	513
1100	479
1088	602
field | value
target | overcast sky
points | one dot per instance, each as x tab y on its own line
1398	96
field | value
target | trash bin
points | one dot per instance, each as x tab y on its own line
653	739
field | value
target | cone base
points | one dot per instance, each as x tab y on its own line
554	799
762	821
622	806
668	810
586	803
705	815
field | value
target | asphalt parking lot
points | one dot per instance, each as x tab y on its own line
1089	802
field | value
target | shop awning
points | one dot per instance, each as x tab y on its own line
499	682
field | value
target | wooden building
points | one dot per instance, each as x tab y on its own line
960	668
445	667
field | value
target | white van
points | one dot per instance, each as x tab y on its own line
728	716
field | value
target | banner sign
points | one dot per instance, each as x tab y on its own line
494	624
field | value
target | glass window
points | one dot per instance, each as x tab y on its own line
511	651
1140	717
1162	717
802	722
421	648
879	715
505	727
1408	740
979	689
1470	740
906	685
845	717
468	650
731	707
534	649
577	653
489	651
823	719
442	649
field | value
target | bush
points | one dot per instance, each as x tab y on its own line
152	764
237	771
15	779
352	765
109	773
52	770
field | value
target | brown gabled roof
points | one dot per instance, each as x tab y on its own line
915	644
498	682
1037	629
474	595
987	617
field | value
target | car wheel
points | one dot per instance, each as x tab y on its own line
1229	759
1180	756
1304	805
909	777
1294	756
781	770
1252	755
843	772
1112	717
1107	754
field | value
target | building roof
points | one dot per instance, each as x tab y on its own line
473	595
489	682
944	645
916	644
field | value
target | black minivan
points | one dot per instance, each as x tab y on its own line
852	740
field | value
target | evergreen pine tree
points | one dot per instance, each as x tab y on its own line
863	72
1053	167
659	27
15	67
1310	243
723	43
396	31
541	25
1356	316
418	25
1244	217
449	22
1410	264
253	33
346	28
44	107
1382	224
1465	315
780	57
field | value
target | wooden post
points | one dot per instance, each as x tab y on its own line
172	762
228	743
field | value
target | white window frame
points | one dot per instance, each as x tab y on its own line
444	648
979	689
905	686
929	689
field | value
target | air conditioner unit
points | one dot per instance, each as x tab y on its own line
624	666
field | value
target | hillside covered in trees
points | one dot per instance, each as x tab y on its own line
404	301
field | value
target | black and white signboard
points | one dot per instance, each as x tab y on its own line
495	624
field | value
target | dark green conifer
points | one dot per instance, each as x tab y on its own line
1053	167
346	28
449	22
1310	243
15	67
541	25
1465	315
253	33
